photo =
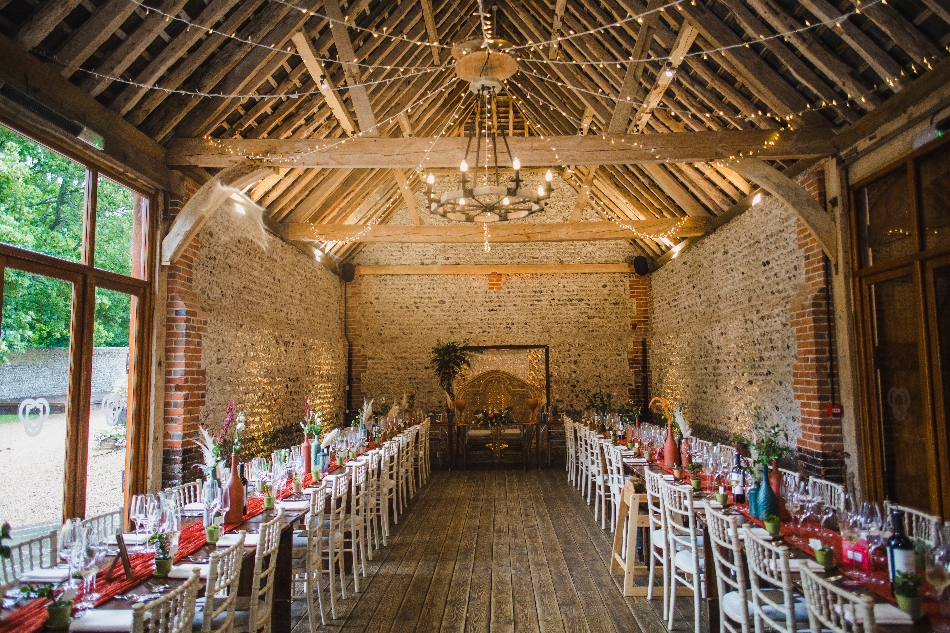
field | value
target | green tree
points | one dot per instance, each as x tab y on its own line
42	206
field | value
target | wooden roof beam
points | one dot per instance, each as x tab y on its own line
686	147
319	75
501	232
429	15
684	40
344	46
559	7
631	88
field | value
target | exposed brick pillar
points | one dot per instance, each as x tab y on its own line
637	358
494	281
354	330
820	447
185	382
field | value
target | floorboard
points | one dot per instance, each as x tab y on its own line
500	550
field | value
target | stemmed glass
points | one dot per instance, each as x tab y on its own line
937	571
86	557
874	528
70	539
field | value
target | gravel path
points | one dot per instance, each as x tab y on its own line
32	469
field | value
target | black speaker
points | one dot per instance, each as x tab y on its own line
347	271
641	265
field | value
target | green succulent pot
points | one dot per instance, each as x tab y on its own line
269	502
212	534
60	616
163	567
722	498
696	483
911	605
774	528
825	558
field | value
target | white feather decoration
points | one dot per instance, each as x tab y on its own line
367	410
207	447
330	438
685	428
394	412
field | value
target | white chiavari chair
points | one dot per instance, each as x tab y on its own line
659	548
790	479
775	604
583	470
731	581
832	608
685	544
388	480
570	461
411	436
35	553
592	462
373	505
257	617
830	493
173	612
918	525
356	519
215	612
333	541
308	557
186	493
699	447
109	523
601	490
726	453
403	472
613	458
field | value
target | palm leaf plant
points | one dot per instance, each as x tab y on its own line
448	360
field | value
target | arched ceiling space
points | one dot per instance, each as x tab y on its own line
257	76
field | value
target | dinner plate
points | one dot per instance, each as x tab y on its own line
53	574
104	621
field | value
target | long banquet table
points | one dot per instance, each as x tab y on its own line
193	547
797	549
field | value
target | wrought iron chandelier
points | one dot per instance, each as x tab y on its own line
484	194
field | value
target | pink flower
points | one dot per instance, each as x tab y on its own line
228	418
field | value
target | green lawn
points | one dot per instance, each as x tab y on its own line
8	417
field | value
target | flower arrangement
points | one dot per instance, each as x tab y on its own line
493	418
161	541
600	401
380	406
214	448
765	443
312	424
448	360
629	412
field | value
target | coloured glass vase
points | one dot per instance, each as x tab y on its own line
766	499
671	453
235	513
306	453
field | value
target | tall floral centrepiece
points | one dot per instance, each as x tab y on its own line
213	451
495	420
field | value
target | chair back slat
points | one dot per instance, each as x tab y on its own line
918	525
769	570
221	592
830	493
35	553
173	612
723	532
265	566
832	608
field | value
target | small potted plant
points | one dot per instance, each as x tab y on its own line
213	533
678	472
825	556
695	468
161	542
907	592
722	498
268	496
298	485
59	609
648	454
773	525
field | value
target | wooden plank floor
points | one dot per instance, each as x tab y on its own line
500	551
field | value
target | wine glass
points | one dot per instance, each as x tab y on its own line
70	539
937	572
86	557
874	527
138	512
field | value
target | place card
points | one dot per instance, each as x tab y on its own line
815	543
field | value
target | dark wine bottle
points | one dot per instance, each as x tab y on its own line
242	469
737	480
900	549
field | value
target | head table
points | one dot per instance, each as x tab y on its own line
796	539
192	547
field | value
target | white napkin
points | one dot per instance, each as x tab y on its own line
227	540
886	613
53	574
132	539
294	505
184	571
104	620
192	507
669	478
794	564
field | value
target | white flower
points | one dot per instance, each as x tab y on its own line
240	426
330	438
